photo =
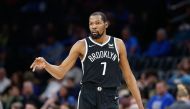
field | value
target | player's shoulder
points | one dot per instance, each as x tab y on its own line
79	45
80	42
118	41
119	44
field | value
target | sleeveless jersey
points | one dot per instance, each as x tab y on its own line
100	63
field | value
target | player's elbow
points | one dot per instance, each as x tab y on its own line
60	76
61	73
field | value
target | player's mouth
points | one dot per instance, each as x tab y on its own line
94	32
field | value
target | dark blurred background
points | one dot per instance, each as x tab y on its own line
156	34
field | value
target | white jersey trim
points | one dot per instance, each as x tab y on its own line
99	43
82	68
78	100
86	51
116	48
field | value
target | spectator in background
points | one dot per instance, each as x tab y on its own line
147	83
28	95
71	80
29	76
160	47
64	106
183	33
75	32
182	76
16	105
75	73
124	98
183	101
13	97
53	87
73	89
30	105
163	99
133	103
131	42
61	97
52	50
17	79
4	81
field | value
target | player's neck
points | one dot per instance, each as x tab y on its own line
102	39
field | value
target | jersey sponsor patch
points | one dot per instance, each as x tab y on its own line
110	46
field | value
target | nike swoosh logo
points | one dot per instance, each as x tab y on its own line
91	45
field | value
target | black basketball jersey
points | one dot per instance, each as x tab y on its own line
101	63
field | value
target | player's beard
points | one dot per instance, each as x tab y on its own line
96	36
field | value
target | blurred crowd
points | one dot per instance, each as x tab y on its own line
156	34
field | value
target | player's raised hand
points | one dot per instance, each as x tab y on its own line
39	63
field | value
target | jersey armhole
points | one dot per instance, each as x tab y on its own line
86	50
116	48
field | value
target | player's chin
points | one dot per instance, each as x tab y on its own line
95	36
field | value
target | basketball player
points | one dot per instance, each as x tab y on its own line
102	57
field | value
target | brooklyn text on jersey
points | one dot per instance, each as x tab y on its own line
102	54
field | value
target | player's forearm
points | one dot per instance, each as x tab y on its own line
56	71
132	85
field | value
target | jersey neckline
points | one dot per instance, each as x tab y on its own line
99	43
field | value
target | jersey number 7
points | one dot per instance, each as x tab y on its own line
104	70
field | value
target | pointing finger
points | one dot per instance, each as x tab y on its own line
34	68
32	64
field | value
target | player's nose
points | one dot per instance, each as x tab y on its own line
94	27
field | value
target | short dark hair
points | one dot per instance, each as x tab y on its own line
103	16
163	82
150	72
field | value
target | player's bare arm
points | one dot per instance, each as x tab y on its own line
127	73
58	71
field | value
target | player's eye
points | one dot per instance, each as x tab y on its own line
90	23
97	23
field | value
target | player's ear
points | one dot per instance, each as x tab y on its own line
107	24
